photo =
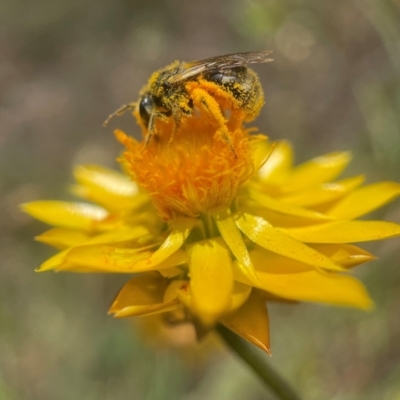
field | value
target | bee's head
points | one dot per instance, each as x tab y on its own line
151	106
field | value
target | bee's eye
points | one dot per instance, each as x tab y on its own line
146	106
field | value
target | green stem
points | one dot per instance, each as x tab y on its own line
256	360
209	225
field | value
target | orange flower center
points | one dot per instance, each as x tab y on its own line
193	169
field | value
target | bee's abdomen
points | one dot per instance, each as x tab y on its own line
241	82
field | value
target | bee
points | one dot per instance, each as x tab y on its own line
211	85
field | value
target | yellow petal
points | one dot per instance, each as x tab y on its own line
344	232
150	309
53	262
211	279
265	235
285	208
261	150
365	200
346	255
251	321
66	214
58	263
323	192
174	288
113	259
278	163
315	286
184	295
318	170
171	272
180	230
276	219
272	263
105	258
239	295
112	182
138	233
63	238
148	217
112	189
180	288
233	238
142	295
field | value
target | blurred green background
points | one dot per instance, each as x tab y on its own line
65	65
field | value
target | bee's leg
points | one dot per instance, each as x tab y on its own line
205	102
150	129
120	111
176	127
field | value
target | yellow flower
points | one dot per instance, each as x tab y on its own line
217	226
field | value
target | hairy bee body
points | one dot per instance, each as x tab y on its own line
242	83
212	86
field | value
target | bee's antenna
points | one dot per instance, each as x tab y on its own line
119	112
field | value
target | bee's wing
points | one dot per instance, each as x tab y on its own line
219	63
